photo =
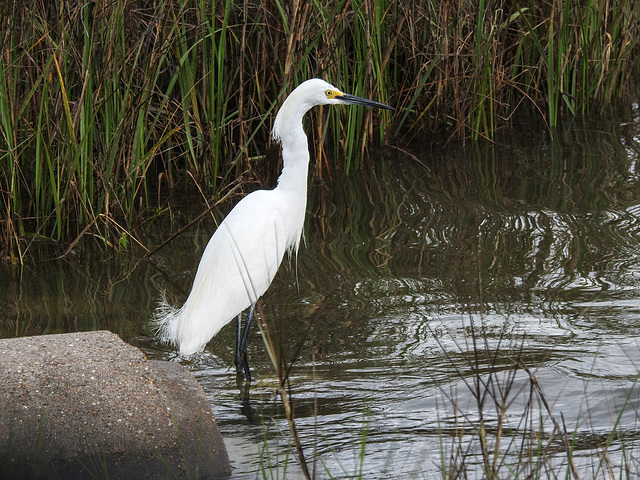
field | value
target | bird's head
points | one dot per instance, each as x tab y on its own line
320	92
309	94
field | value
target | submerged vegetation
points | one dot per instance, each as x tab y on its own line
105	107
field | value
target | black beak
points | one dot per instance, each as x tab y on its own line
353	100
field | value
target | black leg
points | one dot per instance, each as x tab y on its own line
243	344
242	338
238	341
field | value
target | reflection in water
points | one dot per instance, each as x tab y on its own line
409	281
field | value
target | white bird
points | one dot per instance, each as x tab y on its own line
244	253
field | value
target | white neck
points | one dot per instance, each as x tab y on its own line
287	128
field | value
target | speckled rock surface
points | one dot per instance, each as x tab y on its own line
88	405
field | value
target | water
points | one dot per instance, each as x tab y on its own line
417	278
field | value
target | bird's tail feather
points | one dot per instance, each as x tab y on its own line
166	322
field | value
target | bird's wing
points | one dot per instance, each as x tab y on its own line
244	253
236	268
256	238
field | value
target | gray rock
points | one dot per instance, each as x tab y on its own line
88	405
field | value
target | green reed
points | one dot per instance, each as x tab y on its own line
107	108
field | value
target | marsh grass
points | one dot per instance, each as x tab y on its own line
495	420
508	428
106	109
282	369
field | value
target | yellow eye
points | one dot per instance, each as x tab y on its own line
329	93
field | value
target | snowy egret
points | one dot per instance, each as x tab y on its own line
244	253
